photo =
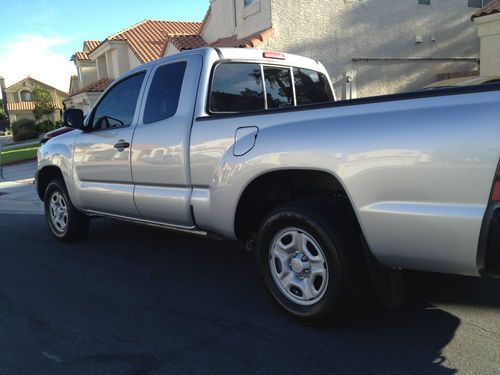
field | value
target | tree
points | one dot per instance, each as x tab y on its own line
44	104
3	116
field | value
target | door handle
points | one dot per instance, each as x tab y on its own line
121	145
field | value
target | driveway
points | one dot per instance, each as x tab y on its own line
137	300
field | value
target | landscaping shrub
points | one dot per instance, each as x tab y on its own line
45	126
23	130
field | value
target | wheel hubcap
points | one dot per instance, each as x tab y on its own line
58	212
298	266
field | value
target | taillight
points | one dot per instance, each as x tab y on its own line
274	55
495	195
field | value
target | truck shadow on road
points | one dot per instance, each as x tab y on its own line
136	299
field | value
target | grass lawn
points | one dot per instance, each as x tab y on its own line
14	154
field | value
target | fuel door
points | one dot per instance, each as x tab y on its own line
244	139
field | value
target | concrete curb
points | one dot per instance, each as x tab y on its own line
6	146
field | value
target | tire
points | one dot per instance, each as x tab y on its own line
65	222
325	277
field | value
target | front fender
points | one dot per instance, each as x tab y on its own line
58	152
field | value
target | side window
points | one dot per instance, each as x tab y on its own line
25	96
279	91
311	87
164	93
236	88
117	108
478	3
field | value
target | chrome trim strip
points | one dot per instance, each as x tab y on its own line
177	228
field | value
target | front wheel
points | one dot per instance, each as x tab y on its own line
65	222
310	258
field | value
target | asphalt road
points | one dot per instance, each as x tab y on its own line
137	300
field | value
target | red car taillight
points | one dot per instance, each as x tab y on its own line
495	194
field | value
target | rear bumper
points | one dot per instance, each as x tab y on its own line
489	243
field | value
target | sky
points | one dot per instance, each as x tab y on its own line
38	37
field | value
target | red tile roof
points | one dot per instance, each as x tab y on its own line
490	8
82	56
250	41
147	38
97	86
27	106
90	45
184	42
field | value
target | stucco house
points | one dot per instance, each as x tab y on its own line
487	21
100	62
369	47
19	103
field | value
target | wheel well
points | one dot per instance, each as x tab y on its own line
45	176
275	188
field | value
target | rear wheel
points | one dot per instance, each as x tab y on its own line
310	257
65	222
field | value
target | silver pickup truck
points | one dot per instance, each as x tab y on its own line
332	196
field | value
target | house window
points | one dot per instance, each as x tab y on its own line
426	2
25	96
478	3
250	7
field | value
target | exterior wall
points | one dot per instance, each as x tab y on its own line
12	97
117	61
224	22
83	101
133	61
87	73
489	33
253	18
114	60
337	31
13	94
170	50
18	115
73	84
109	64
102	69
220	22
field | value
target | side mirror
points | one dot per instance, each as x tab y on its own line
73	118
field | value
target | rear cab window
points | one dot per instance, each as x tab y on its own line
237	88
164	92
243	87
311	87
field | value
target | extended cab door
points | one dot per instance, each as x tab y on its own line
160	152
102	153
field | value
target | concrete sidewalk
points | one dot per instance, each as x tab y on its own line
17	192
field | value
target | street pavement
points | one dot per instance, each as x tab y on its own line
137	300
17	192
